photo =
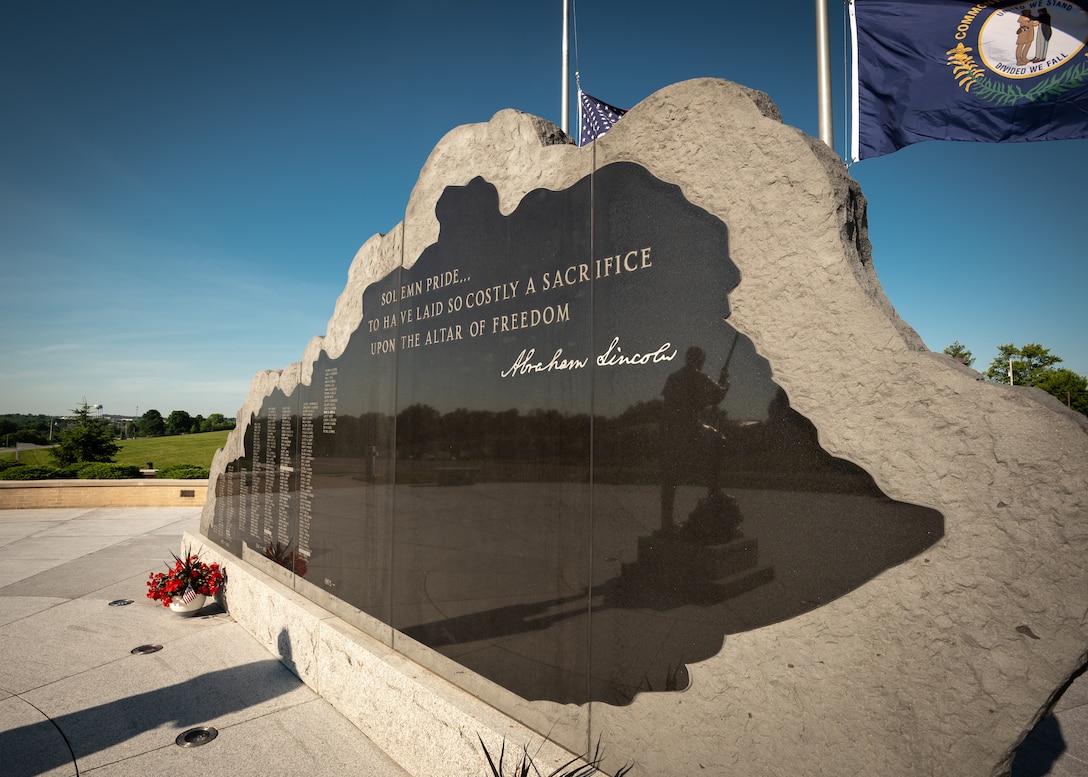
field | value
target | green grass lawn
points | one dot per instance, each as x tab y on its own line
196	449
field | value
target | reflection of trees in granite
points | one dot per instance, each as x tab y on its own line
418	429
539	435
511	446
516	446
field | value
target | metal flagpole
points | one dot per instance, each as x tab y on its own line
564	122
823	76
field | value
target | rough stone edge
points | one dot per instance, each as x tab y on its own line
855	627
424	723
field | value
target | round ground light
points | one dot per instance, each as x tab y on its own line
195	737
145	649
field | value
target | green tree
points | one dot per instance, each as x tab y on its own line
216	422
18	427
1033	365
179	422
1027	364
90	439
1069	387
151	424
958	352
30	435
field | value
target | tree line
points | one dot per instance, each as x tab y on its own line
1031	365
152	424
42	429
85	446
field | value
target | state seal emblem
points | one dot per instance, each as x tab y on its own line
1007	53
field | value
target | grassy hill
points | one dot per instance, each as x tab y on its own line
196	449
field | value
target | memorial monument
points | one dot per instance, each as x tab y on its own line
626	442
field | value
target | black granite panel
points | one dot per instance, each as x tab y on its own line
493	494
350	406
547	455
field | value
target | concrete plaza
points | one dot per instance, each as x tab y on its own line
75	699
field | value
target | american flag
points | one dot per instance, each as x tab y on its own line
595	117
188	595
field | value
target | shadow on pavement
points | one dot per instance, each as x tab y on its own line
34	749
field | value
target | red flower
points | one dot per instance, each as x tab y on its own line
287	558
204	578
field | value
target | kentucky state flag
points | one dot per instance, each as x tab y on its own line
987	70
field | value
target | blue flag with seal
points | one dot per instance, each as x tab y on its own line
984	70
595	117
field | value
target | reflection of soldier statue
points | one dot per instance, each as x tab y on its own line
687	443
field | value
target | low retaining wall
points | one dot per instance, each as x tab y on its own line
24	494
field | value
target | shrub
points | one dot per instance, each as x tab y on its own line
106	471
184	472
23	472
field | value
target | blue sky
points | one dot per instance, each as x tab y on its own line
183	185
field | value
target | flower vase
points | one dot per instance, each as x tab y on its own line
178	605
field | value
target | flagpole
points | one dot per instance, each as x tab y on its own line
564	113
823	76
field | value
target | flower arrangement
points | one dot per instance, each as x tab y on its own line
287	558
187	574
